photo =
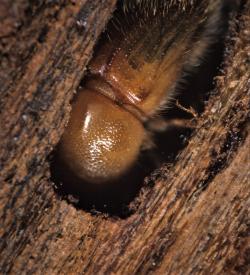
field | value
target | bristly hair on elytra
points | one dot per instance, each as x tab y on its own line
209	28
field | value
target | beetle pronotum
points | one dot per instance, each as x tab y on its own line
132	76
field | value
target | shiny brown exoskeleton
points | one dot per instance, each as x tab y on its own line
132	76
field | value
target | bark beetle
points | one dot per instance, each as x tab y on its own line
190	218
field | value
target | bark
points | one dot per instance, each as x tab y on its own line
190	218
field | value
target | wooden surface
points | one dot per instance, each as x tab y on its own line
190	218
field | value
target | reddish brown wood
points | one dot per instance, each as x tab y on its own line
190	218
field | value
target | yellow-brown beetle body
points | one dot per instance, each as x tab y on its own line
132	76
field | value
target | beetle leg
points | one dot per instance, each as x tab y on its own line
161	124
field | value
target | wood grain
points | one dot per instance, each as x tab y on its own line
190	218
